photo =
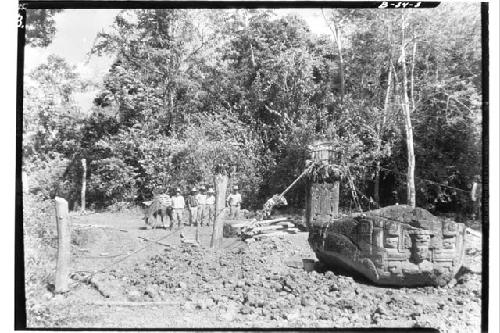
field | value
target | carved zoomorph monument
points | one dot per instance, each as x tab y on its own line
394	245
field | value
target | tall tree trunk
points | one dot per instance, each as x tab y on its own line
252	57
341	70
84	185
412	91
336	37
168	102
220	182
376	191
376	186
410	179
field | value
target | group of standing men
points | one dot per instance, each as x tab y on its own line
200	205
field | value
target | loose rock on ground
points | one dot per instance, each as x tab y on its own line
254	285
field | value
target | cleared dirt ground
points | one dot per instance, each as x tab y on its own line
261	284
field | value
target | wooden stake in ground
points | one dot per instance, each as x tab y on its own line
335	199
220	181
84	183
24	180
197	235
63	251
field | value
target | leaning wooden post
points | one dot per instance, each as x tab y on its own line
84	184
220	182
63	251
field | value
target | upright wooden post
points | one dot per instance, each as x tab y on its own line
84	184
335	199
197	234
63	251
24	179
220	182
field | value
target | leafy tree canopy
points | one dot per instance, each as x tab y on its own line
190	91
40	26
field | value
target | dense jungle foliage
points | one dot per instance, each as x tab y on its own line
193	89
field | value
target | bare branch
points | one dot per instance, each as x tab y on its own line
333	30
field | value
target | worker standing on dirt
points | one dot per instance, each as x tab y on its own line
234	203
178	205
193	207
202	205
210	205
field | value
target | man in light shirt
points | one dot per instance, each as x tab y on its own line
234	203
202	206
210	205
178	205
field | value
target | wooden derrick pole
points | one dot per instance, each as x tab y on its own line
63	250
84	184
220	183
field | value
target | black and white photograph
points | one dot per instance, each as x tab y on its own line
253	165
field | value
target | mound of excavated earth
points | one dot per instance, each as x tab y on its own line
264	285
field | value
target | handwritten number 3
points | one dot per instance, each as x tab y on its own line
19	21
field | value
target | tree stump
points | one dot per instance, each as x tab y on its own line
220	182
64	250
